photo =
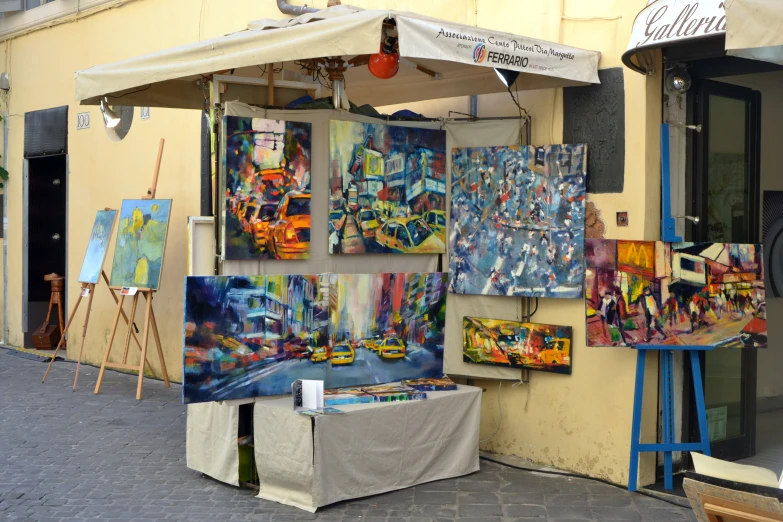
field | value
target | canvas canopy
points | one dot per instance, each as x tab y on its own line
752	28
755	30
460	57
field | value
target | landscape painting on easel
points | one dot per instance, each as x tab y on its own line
141	241
267	205
97	247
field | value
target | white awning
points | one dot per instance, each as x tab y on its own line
462	57
755	30
752	28
670	22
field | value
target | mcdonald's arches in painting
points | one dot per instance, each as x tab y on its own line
703	294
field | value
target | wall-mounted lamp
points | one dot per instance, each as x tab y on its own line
678	80
110	118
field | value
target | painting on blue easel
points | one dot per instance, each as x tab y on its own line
141	240
97	247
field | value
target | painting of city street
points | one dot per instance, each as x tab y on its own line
387	327
249	336
267	175
515	344
702	294
517	221
387	189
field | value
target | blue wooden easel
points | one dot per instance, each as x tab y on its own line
668	445
667	364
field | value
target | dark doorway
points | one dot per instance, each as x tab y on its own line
46	233
725	195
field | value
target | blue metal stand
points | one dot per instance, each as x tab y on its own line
668	445
668	231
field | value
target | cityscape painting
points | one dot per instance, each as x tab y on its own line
515	344
141	241
267	176
517	221
97	247
387	327
248	336
702	294
387	189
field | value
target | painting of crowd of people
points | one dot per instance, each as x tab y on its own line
517	221
703	294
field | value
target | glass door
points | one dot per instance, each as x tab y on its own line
725	196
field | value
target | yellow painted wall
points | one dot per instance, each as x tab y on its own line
581	422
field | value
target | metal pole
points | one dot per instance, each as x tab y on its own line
5	230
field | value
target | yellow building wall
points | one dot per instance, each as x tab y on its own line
579	423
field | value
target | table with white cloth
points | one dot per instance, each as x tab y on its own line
310	462
373	448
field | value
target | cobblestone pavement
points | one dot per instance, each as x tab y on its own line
76	456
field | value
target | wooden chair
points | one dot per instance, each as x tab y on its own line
719	500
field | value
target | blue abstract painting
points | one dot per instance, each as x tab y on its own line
97	247
141	240
517	221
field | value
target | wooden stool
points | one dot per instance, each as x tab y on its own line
47	336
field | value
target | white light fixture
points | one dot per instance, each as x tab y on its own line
110	118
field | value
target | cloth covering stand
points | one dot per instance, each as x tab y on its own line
310	462
368	450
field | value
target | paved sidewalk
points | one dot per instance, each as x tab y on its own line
76	456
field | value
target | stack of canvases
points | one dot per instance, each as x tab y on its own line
517	229
701	294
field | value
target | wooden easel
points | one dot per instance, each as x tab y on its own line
149	319
61	344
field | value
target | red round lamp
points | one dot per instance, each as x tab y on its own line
384	65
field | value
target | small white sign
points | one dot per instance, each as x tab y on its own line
145	113
129	290
83	120
85	291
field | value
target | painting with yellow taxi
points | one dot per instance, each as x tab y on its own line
249	336
267	189
387	189
387	327
514	344
141	241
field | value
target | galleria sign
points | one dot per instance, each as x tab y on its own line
667	21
